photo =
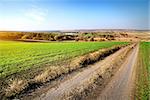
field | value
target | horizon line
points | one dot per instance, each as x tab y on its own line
75	30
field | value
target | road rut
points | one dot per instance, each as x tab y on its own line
122	84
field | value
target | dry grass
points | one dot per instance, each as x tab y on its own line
16	87
47	74
50	73
93	57
43	77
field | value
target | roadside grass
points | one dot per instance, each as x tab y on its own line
143	85
17	57
15	87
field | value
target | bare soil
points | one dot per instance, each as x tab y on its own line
122	84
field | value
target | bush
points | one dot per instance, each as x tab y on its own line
25	37
35	38
91	39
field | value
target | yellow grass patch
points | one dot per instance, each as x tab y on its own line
15	87
50	73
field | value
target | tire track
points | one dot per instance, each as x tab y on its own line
122	84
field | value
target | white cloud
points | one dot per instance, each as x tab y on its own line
36	13
32	18
17	23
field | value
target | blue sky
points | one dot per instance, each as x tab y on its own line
73	14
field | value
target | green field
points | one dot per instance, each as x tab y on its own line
144	71
19	56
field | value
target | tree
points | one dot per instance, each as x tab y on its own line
25	37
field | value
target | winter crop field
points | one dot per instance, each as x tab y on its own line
19	56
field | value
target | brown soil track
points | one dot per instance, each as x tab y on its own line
122	84
57	93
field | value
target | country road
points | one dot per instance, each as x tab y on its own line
121	82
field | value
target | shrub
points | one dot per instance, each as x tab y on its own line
35	38
91	39
25	37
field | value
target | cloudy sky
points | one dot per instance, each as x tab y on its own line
73	14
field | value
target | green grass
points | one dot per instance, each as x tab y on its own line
144	72
18	56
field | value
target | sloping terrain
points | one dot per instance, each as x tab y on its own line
26	65
78	83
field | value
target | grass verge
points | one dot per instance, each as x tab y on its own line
143	72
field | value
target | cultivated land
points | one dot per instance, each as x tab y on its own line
53	66
18	56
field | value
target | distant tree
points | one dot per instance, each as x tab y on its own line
35	38
25	37
91	39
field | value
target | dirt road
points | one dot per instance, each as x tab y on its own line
122	84
67	86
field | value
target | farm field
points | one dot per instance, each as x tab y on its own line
24	63
143	88
27	64
74	50
19	56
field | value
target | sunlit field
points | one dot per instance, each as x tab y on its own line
18	56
